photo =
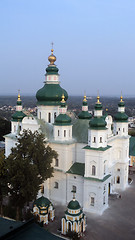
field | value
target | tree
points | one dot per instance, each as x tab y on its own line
29	164
3	179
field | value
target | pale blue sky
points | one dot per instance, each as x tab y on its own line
94	42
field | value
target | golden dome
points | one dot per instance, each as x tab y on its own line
51	58
84	100
98	99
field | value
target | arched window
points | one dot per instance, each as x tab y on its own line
56	185
92	201
64	133
94	139
74	189
54	115
93	170
118	179
49	117
100	139
58	133
56	162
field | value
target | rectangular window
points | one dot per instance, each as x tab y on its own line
58	133
74	189
64	133
56	162
100	139
56	185
92	201
49	117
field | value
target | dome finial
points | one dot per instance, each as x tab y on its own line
84	100
63	98
98	98
121	98
19	99
52	58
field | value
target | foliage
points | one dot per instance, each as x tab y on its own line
4	127
3	179
29	164
131	132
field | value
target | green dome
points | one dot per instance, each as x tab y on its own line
18	116
98	106
42	202
84	115
74	205
121	104
63	119
98	123
50	94
121	117
52	69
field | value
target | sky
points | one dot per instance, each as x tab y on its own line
94	42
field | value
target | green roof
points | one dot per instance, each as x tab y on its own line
132	146
52	69
84	115
97	149
63	120
121	104
98	106
24	231
50	94
74	205
80	130
42	202
121	117
77	168
97	179
98	123
18	116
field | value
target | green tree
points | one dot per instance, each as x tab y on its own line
29	164
3	179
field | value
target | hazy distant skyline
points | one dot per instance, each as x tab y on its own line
94	42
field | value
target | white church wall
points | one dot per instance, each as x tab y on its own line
75	181
47	113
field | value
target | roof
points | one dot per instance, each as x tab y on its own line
77	168
42	202
18	116
74	205
80	130
84	115
97	149
98	123
121	117
50	94
62	120
132	146
98	179
25	231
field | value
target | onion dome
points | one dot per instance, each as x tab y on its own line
74	205
51	93
121	116
42	204
84	114
98	122
63	119
18	115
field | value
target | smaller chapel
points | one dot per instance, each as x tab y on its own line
44	209
74	219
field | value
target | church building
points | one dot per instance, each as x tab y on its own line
93	151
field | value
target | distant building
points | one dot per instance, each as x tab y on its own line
92	158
